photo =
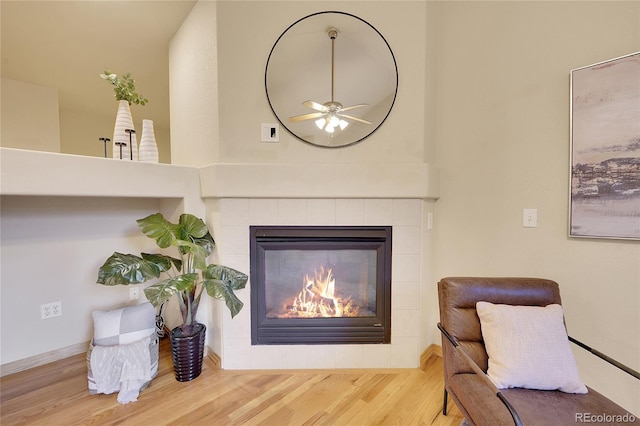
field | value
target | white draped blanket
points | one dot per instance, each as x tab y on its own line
122	368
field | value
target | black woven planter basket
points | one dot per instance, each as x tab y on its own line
187	353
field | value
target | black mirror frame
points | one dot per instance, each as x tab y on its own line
283	122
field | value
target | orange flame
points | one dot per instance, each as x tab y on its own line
317	297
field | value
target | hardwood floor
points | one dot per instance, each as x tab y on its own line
56	394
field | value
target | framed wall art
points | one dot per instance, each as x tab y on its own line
605	149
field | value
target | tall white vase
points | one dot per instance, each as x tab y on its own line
120	136
148	146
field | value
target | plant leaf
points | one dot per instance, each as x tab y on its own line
206	243
192	226
126	269
199	254
236	279
158	228
162	291
162	261
185	282
220	282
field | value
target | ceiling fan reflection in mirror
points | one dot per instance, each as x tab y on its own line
330	115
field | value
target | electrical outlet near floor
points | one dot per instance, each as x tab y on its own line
50	310
134	293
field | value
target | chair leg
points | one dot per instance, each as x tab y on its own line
444	403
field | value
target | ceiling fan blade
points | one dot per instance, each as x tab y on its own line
316	106
307	116
349	117
353	107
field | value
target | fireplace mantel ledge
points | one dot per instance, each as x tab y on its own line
245	180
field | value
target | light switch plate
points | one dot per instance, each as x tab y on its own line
269	132
530	218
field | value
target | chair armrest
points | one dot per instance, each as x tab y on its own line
610	360
477	370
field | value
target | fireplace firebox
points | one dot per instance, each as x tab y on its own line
320	284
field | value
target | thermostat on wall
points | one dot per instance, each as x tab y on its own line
269	132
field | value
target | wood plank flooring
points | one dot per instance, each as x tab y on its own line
56	394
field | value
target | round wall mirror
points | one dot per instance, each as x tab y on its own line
331	79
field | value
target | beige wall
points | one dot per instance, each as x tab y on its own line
80	132
503	145
193	93
32	119
29	116
493	115
484	94
246	33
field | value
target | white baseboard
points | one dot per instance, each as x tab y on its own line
45	358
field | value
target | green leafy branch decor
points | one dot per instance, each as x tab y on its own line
125	87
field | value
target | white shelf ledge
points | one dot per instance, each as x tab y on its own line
35	173
38	173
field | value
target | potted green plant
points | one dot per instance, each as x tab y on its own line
187	277
125	143
125	87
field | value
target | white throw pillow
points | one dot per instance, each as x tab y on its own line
528	348
123	326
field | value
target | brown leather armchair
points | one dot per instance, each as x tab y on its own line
462	345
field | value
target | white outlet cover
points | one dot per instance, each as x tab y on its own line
50	310
134	293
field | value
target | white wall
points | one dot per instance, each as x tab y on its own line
503	145
52	248
62	216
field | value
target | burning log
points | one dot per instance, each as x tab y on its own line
318	299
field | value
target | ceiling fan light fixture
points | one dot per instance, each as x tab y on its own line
333	121
331	110
329	125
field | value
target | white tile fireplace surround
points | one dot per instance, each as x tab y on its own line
403	214
232	197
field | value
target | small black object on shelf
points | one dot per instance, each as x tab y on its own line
105	140
121	144
130	131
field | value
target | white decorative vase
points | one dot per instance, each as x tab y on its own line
148	147
120	136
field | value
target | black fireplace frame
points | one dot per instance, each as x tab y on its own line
316	331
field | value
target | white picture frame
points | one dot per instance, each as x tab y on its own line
604	179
